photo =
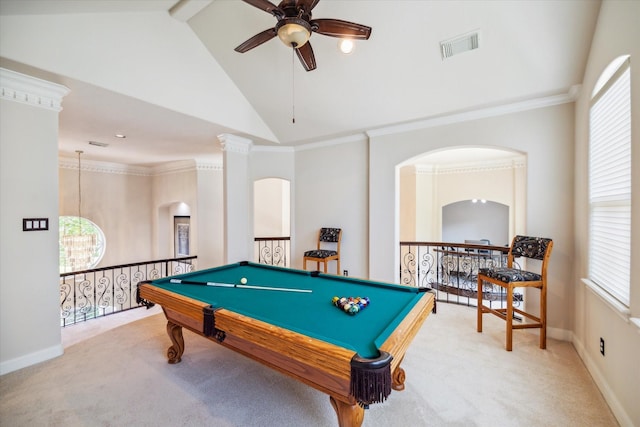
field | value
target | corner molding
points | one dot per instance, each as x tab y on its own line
31	91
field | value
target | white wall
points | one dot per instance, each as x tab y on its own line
331	190
29	274
617	373
117	202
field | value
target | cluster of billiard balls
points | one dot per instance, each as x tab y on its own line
350	305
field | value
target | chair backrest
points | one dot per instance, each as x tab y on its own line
330	235
531	247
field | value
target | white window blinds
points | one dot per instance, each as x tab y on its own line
610	186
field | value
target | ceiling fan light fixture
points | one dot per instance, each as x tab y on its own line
346	46
294	32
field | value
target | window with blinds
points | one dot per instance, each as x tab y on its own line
610	185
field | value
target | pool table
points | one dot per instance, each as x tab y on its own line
285	319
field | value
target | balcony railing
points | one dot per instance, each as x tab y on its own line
451	269
99	292
273	250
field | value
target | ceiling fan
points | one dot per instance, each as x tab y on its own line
294	27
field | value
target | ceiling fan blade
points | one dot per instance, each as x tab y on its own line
256	40
339	28
307	5
306	57
267	6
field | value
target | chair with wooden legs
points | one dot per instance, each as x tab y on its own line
332	236
511	277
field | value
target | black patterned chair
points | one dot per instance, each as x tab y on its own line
511	277
326	236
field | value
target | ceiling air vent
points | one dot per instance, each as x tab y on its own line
459	44
98	144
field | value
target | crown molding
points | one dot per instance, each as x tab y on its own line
480	113
486	166
235	144
270	149
209	167
122	169
103	167
335	141
30	90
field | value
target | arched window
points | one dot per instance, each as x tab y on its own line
610	181
82	244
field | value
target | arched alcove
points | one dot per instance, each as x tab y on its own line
428	182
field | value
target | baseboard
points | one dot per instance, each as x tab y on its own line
609	396
559	334
31	359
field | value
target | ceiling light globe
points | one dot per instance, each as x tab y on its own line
295	32
346	46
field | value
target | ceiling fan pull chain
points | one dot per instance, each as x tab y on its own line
293	86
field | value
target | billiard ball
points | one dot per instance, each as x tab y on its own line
243	280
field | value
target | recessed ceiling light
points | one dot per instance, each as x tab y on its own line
345	46
119	135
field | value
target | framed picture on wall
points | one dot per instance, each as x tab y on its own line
181	235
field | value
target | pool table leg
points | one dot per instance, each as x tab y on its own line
174	353
348	415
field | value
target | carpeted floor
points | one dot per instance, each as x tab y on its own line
455	377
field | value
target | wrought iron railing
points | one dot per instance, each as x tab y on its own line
99	292
451	269
273	250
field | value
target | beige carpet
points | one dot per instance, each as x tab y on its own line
455	377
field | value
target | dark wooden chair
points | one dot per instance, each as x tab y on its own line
510	277
326	236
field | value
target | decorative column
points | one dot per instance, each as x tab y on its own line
29	268
238	229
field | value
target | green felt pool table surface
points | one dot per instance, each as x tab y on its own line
308	313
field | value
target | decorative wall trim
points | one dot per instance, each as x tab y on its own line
470	167
480	113
103	167
234	143
122	169
30	90
210	167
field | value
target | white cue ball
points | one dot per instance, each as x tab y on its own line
243	280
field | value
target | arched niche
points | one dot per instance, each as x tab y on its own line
174	220
428	182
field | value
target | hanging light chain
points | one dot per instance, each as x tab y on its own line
79	191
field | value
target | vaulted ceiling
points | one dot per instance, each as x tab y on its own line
165	73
